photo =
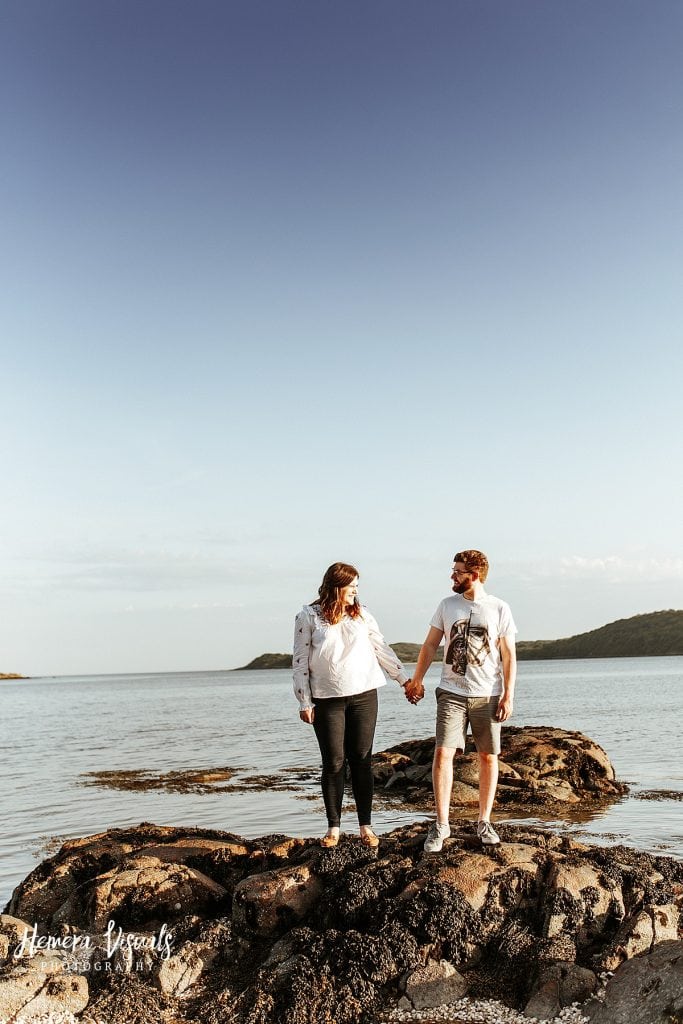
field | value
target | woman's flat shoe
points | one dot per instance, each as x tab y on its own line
329	841
369	839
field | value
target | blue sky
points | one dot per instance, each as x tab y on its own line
291	283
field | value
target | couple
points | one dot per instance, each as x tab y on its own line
339	653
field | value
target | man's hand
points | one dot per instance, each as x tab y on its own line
414	691
504	709
509	659
306	715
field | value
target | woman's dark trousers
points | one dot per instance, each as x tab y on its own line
345	728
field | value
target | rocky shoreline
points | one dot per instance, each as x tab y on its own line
279	931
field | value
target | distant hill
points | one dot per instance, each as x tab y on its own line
641	636
407	653
268	661
11	675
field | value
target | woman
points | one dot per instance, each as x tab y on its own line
338	651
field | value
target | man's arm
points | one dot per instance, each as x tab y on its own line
509	659
414	687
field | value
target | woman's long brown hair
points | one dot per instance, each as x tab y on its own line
336	577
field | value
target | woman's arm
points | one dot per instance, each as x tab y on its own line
383	652
302	647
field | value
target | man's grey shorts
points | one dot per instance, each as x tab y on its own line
454	711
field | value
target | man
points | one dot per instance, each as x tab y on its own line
477	687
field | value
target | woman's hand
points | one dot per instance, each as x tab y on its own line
306	715
414	691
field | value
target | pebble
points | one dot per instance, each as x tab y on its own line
60	1017
478	1011
54	1017
465	1011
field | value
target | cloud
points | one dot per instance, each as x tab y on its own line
190	606
141	569
613	568
618	569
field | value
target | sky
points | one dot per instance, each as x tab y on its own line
286	283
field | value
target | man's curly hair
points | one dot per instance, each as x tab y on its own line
475	561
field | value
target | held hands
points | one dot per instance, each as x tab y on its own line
414	691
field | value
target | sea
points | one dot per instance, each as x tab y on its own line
56	732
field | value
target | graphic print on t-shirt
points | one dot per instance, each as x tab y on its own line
468	645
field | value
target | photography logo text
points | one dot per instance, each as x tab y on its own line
98	953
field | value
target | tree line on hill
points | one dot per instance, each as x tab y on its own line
641	636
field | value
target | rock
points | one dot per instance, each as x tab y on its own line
14	928
148	890
143	889
268	903
12	931
435	984
132	959
464	795
394	778
471	877
181	970
32	992
645	990
561	949
56	884
283	847
560	985
576	890
557	792
49	962
640	933
466	769
129	1000
180	850
285	948
540	766
519	855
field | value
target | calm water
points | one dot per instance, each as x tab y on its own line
53	730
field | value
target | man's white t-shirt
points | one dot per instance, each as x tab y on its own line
472	665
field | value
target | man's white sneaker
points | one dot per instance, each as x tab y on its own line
487	833
435	837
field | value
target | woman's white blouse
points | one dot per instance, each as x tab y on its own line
340	660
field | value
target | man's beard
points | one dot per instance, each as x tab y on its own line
460	588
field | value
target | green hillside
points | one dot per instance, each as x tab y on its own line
407	653
641	636
268	661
